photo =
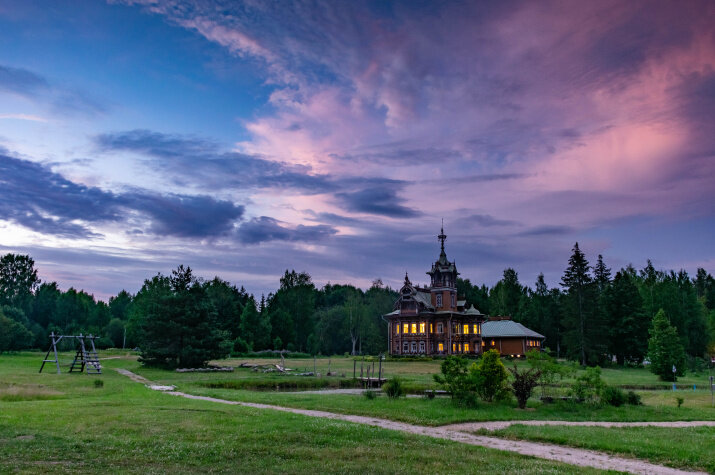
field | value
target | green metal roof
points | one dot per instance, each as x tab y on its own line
507	328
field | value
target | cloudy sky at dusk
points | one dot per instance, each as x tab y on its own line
244	138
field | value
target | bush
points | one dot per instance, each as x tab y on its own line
393	388
633	399
454	377
588	386
613	396
489	376
98	383
680	401
369	394
524	383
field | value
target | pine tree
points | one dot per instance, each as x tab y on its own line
628	323
664	349
583	326
601	275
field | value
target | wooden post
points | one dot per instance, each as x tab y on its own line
54	346
354	366
379	374
361	365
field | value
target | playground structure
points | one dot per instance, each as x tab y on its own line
85	359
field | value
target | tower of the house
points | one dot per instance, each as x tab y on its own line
443	280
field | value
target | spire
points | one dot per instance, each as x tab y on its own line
407	279
441	238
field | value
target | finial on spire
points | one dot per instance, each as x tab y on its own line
407	279
442	236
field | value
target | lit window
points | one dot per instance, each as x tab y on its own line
441	347
439	300
414	328
492	342
460	347
405	328
466	347
397	328
454	347
466	329
422	327
430	328
482	342
475	328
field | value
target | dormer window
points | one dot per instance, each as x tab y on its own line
439	300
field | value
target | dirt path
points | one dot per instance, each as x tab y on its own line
572	456
497	425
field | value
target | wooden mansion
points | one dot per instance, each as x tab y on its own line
434	321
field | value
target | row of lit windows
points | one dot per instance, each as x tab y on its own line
412	328
533	343
456	347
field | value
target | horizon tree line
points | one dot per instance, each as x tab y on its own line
592	317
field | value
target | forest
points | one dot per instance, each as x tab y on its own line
594	316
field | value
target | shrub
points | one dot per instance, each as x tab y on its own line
369	394
98	383
633	399
489	376
588	386
393	388
524	383
550	369
454	377
613	396
680	401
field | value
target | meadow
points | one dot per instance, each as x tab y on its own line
66	423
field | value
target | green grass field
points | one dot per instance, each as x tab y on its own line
63	423
53	423
690	448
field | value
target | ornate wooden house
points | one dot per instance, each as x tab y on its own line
432	320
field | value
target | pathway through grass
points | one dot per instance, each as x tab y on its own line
580	457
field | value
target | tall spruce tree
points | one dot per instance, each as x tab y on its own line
627	321
584	331
176	322
664	349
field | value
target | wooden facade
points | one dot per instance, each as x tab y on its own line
432	320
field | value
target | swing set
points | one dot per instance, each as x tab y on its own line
85	359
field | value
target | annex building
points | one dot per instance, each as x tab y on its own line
433	320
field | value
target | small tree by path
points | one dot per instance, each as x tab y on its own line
664	349
524	383
490	376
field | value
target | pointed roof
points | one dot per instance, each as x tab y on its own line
443	264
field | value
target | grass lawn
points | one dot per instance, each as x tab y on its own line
690	448
659	405
53	423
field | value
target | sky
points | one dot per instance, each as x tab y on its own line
246	138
